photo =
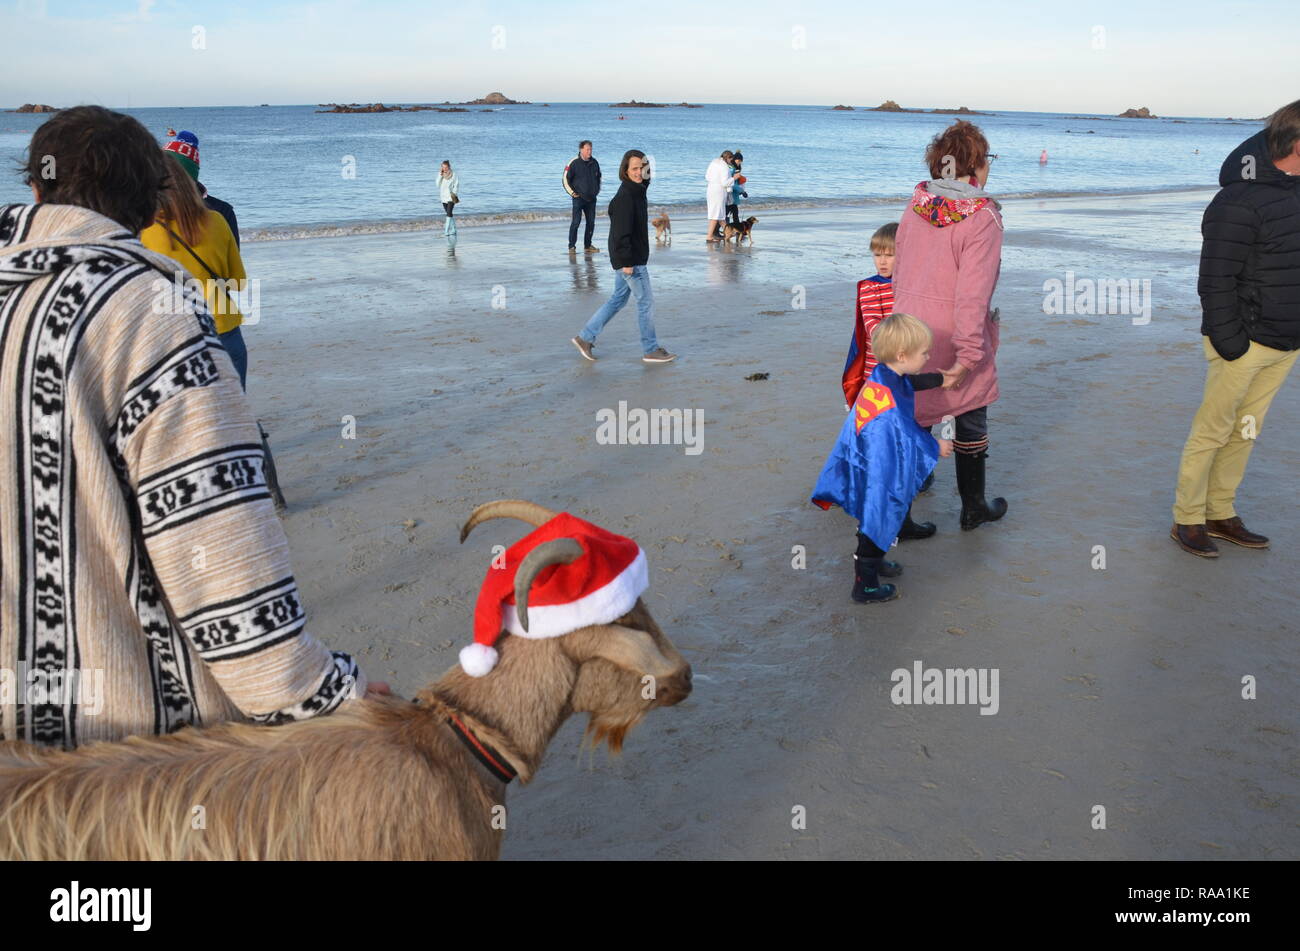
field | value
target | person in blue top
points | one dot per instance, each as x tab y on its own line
736	192
882	455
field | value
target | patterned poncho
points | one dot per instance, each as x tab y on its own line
144	575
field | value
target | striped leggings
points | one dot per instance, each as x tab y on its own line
970	434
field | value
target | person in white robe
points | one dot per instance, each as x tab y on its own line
719	178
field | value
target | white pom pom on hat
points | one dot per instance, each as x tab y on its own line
477	660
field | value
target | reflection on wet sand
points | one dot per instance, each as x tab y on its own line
799	247
583	270
725	265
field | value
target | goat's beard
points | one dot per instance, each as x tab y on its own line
612	726
613	698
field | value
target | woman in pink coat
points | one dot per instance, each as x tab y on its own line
949	248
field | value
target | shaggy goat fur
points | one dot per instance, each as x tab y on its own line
381	778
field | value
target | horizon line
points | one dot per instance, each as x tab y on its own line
904	110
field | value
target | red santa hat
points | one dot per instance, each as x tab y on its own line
599	585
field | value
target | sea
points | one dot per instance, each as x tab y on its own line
292	171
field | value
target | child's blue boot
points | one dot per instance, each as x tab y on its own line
868	568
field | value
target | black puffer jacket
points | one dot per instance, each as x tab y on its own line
1250	255
629	226
584	177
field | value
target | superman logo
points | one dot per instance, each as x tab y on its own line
873	399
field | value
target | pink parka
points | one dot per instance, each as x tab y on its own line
948	255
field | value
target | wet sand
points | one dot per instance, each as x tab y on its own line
1118	687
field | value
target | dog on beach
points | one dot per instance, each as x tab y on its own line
741	231
663	227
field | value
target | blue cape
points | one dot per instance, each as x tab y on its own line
882	456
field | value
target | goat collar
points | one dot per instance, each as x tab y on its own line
491	758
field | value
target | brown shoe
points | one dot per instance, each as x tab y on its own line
1193	538
584	348
1231	529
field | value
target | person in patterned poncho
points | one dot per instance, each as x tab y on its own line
145	578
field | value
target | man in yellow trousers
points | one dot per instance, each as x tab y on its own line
1250	295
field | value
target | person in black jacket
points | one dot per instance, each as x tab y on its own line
629	250
185	148
1250	297
582	181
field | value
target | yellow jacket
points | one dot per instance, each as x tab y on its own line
218	250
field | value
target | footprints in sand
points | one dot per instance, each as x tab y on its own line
704	548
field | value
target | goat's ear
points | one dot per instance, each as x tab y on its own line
624	647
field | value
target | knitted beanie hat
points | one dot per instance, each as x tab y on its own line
597	587
186	149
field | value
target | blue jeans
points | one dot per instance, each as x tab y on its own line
581	208
233	341
636	284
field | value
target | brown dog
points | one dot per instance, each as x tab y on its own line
741	231
663	227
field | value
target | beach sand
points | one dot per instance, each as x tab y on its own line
1118	687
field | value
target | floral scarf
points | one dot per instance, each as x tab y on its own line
942	210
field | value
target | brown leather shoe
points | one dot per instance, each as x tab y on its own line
1231	529
1194	539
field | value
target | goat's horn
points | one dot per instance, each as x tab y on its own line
558	551
530	512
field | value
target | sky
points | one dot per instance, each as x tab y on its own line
1192	58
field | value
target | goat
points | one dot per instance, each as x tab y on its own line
380	778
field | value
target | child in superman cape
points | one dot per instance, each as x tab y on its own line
882	456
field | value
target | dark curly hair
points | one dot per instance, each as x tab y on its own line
98	159
957	151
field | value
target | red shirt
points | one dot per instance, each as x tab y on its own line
875	303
